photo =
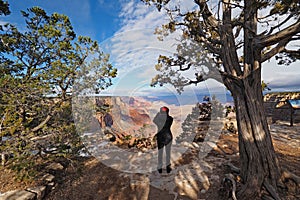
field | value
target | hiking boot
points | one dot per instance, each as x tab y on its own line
169	169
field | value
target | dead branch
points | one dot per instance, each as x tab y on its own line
280	24
269	40
279	48
230	178
206	13
286	175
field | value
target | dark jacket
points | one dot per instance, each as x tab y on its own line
163	122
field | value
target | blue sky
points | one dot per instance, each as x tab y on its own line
95	18
125	30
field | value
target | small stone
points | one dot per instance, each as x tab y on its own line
51	185
144	149
186	144
203	191
18	195
55	166
195	145
212	144
48	177
39	191
110	137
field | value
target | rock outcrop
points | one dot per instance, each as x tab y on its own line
38	192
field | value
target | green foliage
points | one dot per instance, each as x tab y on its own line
158	3
4	8
264	86
41	68
127	137
213	32
190	56
25	168
285	6
44	62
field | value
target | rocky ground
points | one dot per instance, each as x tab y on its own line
193	177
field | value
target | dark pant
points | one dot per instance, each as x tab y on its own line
161	148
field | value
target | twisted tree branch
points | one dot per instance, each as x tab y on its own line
264	41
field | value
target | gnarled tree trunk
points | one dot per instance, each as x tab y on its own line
259	165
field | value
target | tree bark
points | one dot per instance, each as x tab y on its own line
258	161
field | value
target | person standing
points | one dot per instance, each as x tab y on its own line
164	137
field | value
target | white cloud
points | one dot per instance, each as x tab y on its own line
136	15
280	77
134	50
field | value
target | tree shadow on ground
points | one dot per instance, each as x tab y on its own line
94	180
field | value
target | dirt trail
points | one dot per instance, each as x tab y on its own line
192	177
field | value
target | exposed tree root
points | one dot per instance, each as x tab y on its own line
266	197
229	178
286	175
233	168
271	190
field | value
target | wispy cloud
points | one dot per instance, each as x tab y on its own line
281	78
134	49
2	22
136	15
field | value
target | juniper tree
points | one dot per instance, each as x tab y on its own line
229	41
38	69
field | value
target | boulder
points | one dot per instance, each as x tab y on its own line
48	177
18	195
39	191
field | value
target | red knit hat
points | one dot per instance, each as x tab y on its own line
164	109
